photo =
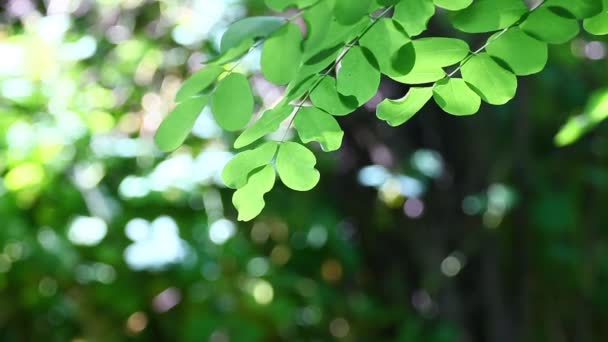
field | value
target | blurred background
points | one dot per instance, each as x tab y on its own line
444	229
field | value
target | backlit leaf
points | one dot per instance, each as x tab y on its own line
176	127
326	97
198	82
249	200
313	124
249	29
396	112
455	97
282	54
488	15
548	26
268	123
236	172
414	15
493	83
523	54
296	167
358	75
232	102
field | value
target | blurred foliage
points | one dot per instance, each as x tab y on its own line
445	229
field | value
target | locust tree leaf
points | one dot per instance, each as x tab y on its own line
396	112
578	8
523	54
232	102
296	167
453	5
349	12
249	199
488	15
282	54
455	97
385	40
493	83
198	82
414	15
236	172
598	24
281	5
313	124
249	29
326	97
176	127
358	75
268	123
547	25
436	52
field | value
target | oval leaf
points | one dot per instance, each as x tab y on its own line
326	97
548	26
249	200
268	123
232	102
236	172
358	75
249	29
175	128
495	84
488	15
282	54
296	167
198	82
455	97
396	112
523	54
314	124
414	15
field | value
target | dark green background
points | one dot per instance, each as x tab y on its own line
519	224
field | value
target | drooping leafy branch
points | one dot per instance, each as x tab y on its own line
337	66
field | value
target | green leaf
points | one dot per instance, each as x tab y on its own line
282	54
281	5
388	41
421	75
232	53
595	112
546	25
488	15
598	25
296	167
318	20
326	97
493	83
578	8
453	5
299	87
313	124
175	128
236	172
349	12
268	123
232	102
249	29
414	15
198	82
358	75
249	200
523	54
455	97
436	52
396	112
